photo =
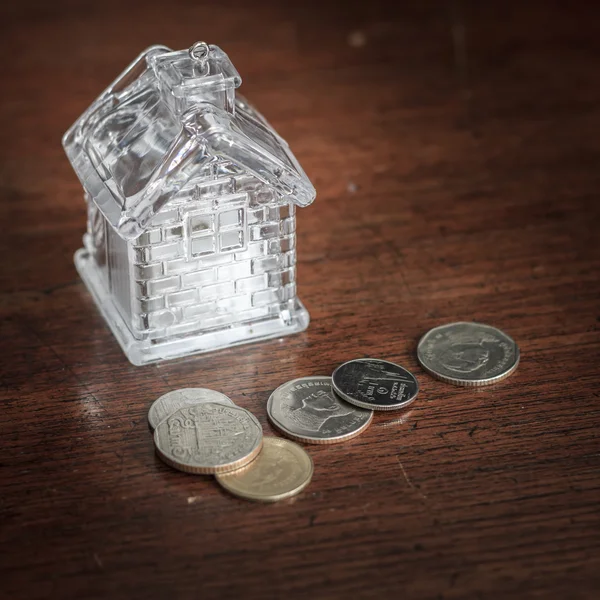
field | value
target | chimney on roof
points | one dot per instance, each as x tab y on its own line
202	74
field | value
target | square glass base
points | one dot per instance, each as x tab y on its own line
141	352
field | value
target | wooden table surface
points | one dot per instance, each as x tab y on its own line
455	149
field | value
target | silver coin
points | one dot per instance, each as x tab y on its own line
168	403
375	384
468	354
307	410
208	438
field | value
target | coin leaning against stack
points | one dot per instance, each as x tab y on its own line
329	410
202	431
307	410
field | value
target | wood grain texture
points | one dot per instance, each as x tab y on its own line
456	157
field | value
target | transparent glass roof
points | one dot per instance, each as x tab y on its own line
159	123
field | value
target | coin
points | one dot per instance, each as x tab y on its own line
375	384
307	410
282	469
168	403
468	354
208	438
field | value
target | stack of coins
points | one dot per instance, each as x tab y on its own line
202	431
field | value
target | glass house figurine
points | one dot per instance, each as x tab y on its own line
191	199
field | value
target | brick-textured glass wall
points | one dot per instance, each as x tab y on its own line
221	252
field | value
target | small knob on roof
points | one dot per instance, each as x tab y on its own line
199	51
200	74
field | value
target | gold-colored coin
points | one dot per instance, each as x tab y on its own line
281	470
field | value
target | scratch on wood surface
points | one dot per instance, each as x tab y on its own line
408	479
98	561
399	421
393	422
66	367
398	258
59	286
164	378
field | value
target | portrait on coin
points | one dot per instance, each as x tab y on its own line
465	357
314	411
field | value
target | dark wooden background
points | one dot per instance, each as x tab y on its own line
455	147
